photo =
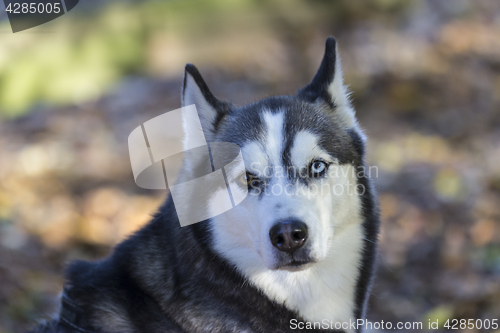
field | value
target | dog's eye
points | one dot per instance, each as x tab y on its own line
249	180
318	168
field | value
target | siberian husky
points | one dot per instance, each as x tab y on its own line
298	254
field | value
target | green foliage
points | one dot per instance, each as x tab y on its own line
80	55
73	65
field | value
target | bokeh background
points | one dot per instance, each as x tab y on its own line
425	77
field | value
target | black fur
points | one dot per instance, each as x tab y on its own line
190	289
371	227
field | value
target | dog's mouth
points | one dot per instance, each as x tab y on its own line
296	265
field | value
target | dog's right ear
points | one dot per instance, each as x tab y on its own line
328	86
211	111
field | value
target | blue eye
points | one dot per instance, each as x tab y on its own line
318	168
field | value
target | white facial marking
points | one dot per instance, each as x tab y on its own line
255	157
305	148
274	136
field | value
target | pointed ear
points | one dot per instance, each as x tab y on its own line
328	86
211	111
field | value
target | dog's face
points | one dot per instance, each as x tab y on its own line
301	154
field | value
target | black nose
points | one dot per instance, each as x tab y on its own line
288	236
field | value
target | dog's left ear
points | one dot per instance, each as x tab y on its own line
328	86
211	111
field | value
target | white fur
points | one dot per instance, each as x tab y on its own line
305	148
273	136
113	318
340	96
256	157
326	290
193	130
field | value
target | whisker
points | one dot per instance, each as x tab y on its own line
369	240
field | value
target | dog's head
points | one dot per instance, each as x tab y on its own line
301	153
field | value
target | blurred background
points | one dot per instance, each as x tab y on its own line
425	77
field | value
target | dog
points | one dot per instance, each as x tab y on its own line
299	259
